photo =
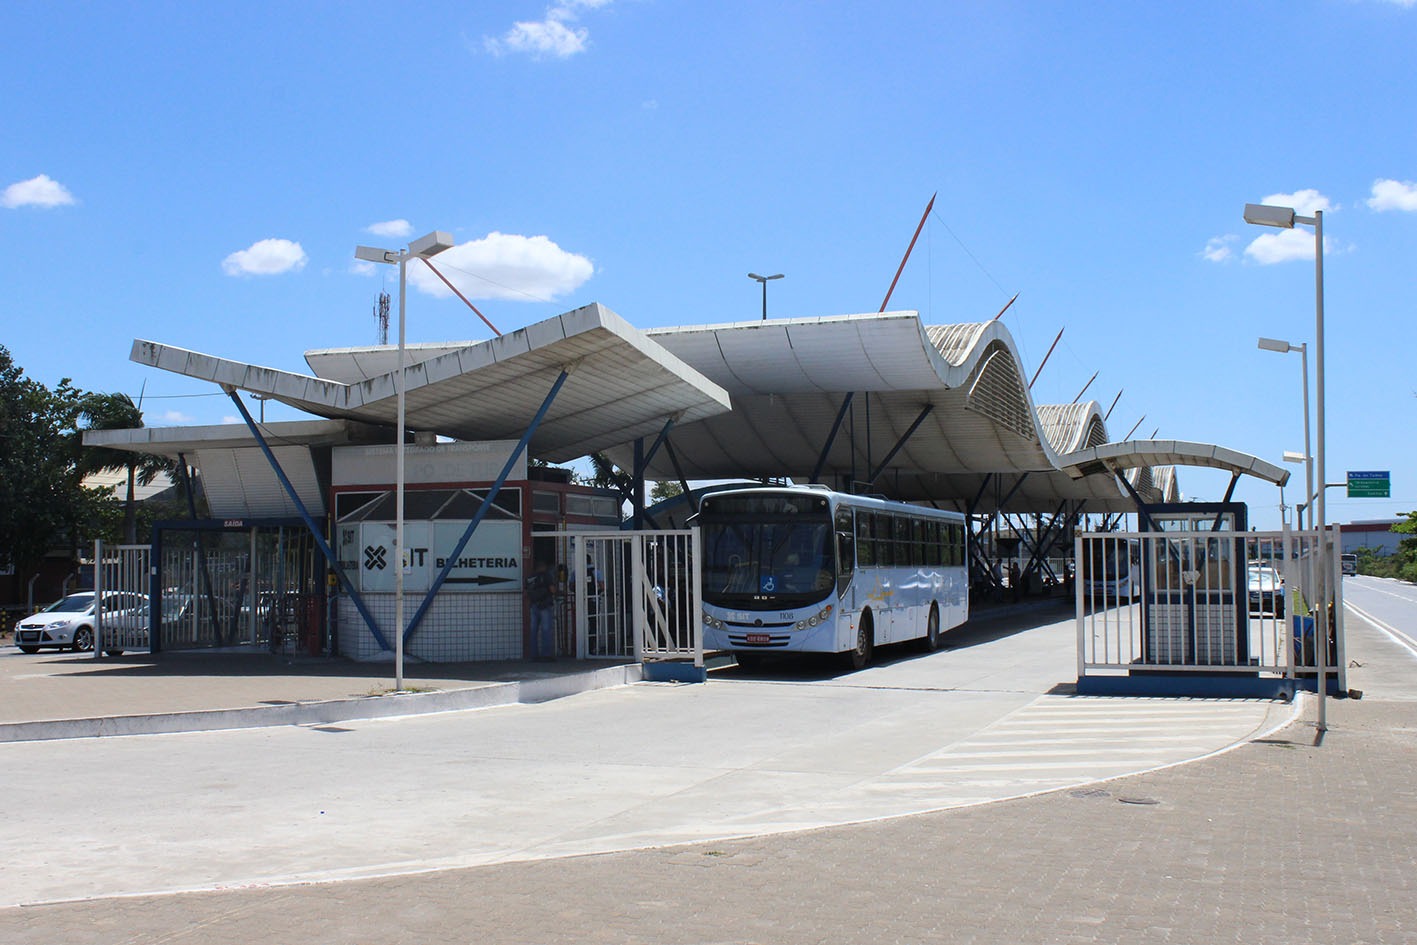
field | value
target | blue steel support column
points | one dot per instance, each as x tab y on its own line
1142	517
678	471
654	449
637	506
481	512
831	437
305	516
900	444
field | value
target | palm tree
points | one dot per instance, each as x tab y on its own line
118	412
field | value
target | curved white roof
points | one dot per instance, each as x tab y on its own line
937	413
979	434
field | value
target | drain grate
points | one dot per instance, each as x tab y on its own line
1089	793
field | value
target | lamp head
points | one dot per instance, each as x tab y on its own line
374	254
1274	344
1262	214
431	245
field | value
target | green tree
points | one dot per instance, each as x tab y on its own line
42	498
118	412
665	489
1407	548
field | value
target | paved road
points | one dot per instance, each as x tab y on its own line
1382	612
636	766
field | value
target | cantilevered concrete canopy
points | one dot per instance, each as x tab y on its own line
621	386
236	478
879	403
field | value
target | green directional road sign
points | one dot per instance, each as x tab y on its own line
1370	484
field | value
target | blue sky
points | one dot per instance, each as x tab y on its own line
199	175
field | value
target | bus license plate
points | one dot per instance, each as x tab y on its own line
760	639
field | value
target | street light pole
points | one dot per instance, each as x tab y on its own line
1286	218
421	248
1284	347
764	280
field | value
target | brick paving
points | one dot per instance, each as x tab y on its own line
1279	841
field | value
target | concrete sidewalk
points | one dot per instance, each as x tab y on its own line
68	695
1279	841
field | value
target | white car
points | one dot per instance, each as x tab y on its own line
69	623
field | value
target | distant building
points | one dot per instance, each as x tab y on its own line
1375	534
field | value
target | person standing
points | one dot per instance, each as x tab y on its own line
541	596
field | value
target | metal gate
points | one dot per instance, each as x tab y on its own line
122	578
633	595
254	587
1209	602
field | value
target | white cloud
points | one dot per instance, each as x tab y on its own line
394	229
265	258
550	36
506	266
1281	246
41	191
1277	246
175	417
1217	249
1393	195
231	419
1304	202
362	267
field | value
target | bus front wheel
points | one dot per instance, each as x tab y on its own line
931	641
860	656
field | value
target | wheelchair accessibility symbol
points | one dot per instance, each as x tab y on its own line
769	584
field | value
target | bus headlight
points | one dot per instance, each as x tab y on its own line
802	624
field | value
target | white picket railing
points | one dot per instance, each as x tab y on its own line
634	595
1207	601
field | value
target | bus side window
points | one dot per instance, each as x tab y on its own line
885	546
903	541
865	547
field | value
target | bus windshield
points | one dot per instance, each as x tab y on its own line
788	562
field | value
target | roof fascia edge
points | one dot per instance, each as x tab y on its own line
1132	454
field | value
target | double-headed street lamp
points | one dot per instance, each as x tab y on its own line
1285	347
764	280
421	248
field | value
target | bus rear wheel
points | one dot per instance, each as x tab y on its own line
859	657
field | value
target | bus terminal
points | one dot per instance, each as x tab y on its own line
299	551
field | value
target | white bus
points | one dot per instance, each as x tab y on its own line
807	570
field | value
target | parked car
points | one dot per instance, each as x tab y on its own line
1348	564
69	623
183	616
1266	590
